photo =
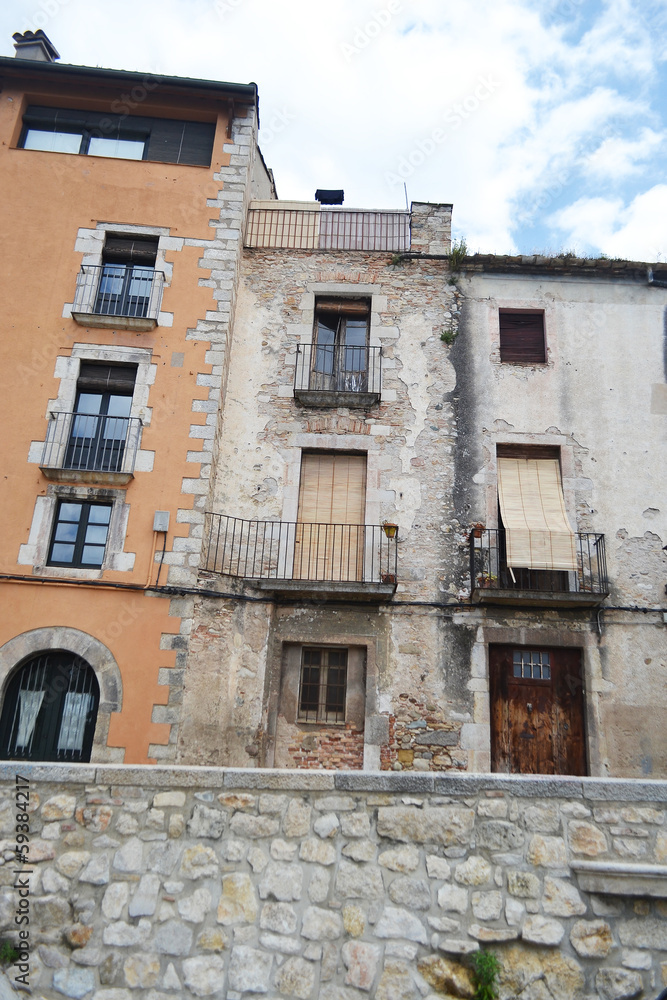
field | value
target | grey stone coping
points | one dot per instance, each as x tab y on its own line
621	879
439	783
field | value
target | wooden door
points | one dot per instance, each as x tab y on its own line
537	710
329	538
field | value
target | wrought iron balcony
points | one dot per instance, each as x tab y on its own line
327	229
122	296
494	582
348	559
83	447
338	375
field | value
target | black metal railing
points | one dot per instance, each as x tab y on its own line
327	229
91	442
293	550
124	290
489	568
338	368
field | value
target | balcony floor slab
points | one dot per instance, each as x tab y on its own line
318	397
328	590
537	598
87	476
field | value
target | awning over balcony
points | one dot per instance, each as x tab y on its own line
538	535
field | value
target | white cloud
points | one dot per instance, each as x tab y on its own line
617	157
636	231
362	85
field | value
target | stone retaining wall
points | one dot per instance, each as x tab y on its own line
164	883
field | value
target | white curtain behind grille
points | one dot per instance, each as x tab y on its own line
30	703
75	712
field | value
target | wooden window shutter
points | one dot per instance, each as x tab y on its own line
522	338
333	488
343	307
538	534
107	378
130	249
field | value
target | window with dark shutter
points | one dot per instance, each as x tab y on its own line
125	137
522	338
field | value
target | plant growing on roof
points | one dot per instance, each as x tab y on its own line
458	254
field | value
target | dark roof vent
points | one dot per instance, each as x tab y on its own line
329	197
34	45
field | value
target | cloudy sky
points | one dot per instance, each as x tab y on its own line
543	121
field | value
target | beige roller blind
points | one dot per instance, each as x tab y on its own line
538	535
332	499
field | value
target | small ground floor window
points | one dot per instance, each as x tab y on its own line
537	710
50	709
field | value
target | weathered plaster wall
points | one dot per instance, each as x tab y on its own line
409	441
593	400
176	882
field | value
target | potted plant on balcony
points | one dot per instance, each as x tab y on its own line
390	529
389	578
477	529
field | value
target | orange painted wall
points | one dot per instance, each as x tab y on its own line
47	197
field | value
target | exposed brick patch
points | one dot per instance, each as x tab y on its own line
339	749
420	731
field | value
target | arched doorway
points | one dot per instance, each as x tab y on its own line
50	709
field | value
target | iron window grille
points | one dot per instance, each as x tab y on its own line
533	664
50	710
323	685
80	534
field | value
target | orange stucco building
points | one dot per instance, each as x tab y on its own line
121	218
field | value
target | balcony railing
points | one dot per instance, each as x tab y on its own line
327	229
341	557
91	446
493	581
335	375
119	295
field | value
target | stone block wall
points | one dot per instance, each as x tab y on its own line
165	883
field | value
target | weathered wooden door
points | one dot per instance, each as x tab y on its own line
537	710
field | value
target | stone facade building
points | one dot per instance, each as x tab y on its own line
297	485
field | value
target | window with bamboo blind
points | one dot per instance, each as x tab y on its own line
332	503
522	339
532	506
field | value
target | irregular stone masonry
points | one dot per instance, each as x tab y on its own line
421	738
174	882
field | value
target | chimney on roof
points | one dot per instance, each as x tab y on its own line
326	197
34	45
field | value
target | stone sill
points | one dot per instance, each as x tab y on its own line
316	397
537	598
140	324
592	790
619	879
99	478
328	589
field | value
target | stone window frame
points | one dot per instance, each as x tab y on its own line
355	690
35	552
374	717
523	305
67	369
90	244
377	333
17	650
